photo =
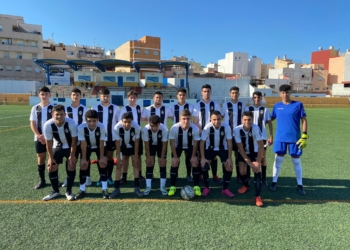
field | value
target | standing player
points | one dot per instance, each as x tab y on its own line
127	134
184	136
136	111
232	111
216	140
250	151
76	111
92	137
40	113
261	117
155	136
158	109
289	113
201	117
61	142
177	109
108	115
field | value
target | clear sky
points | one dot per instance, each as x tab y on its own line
199	29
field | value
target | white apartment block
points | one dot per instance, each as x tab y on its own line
299	77
234	63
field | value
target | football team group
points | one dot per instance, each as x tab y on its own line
203	133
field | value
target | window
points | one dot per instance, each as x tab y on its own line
19	55
20	43
136	51
287	74
325	88
8	68
302	76
34	44
34	56
37	70
317	88
0	27
1	68
70	53
18	68
29	69
320	78
272	86
146	51
155	53
6	54
130	79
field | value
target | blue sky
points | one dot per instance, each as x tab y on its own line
202	30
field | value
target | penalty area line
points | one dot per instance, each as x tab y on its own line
138	200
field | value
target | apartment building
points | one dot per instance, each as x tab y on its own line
322	56
20	44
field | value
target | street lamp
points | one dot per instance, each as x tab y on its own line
224	70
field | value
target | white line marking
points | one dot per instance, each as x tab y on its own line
13	116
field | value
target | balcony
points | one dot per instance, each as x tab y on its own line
20	48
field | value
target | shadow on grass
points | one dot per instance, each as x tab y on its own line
318	191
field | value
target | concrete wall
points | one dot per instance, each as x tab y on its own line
347	67
220	87
339	90
254	67
19	87
319	80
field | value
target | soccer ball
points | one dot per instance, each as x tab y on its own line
187	193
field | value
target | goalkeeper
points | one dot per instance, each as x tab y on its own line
289	113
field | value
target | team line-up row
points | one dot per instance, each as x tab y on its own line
199	132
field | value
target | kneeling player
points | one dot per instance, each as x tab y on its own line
127	134
184	136
155	136
250	151
61	142
92	136
217	137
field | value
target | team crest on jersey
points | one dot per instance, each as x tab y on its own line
138	111
261	111
97	133
250	134
49	110
162	112
189	134
66	130
80	112
132	134
211	108
239	107
222	133
110	111
159	136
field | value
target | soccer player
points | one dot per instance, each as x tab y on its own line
158	109
261	117
201	117
177	109
232	112
250	152
136	111
39	114
155	136
92	137
289	114
184	137
216	140
127	134
76	111
108	115
61	142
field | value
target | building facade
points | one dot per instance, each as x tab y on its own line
235	63
20	44
322	56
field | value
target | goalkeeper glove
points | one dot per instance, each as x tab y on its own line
302	141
